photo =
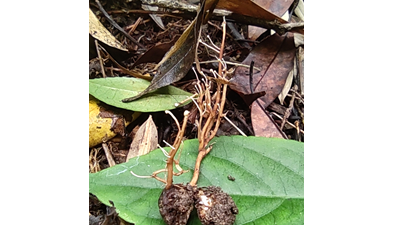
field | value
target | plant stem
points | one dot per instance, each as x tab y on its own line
214	113
172	154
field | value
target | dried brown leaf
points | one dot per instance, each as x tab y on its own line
277	7
248	8
145	140
300	57
287	87
261	123
156	52
177	61
275	59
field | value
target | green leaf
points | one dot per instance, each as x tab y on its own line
113	90
268	186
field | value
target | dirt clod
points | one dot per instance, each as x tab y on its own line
176	204
214	206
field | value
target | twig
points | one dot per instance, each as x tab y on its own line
240	119
124	70
298	96
109	157
112	22
287	122
234	125
251	76
231	63
288	111
100	59
93	162
237	36
133	27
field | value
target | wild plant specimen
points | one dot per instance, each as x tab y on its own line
177	200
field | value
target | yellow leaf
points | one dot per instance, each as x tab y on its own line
100	126
98	31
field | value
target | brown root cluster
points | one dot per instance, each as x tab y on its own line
213	206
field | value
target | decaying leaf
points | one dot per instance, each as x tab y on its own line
105	123
300	61
145	140
250	13
287	86
261	123
248	8
98	31
156	52
299	11
277	7
275	59
178	60
155	18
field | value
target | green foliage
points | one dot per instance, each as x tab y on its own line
268	185
113	90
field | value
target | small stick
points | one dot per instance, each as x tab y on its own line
124	70
238	129
109	157
240	118
298	96
288	111
134	26
251	76
301	131
297	128
93	162
230	63
100	59
108	17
